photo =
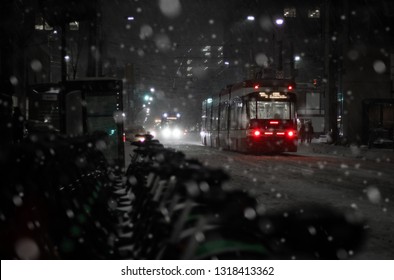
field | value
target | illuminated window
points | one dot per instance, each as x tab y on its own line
315	13
74	25
41	24
289	12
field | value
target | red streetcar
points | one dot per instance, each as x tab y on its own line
254	116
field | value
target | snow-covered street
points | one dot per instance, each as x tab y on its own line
348	179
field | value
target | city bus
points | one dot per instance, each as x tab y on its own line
171	126
253	116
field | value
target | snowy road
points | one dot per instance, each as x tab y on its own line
283	181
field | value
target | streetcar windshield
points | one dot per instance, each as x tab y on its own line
271	110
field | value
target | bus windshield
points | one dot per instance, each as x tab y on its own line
271	109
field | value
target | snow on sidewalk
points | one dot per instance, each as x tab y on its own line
376	154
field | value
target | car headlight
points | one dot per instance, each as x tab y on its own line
166	132
176	132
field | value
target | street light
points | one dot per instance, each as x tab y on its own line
279	21
250	18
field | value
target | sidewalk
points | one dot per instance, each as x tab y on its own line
362	152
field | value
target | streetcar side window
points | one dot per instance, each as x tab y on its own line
253	109
236	114
243	116
223	116
215	117
233	116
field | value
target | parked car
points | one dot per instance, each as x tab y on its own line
134	133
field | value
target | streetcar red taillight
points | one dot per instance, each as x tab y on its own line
290	133
256	133
124	138
274	122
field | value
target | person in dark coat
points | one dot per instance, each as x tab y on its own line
309	132
302	132
18	125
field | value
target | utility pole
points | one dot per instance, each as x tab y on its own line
330	119
63	67
94	52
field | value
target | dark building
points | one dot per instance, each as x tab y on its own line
340	53
364	66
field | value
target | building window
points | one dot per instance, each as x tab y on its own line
41	24
289	12
315	13
206	51
74	25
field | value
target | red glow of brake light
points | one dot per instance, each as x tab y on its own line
256	86
290	133
256	133
268	133
274	122
124	138
290	87
280	133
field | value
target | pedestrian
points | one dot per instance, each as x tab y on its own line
18	125
302	132
309	132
